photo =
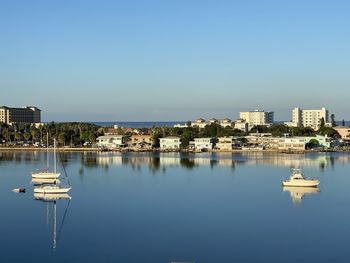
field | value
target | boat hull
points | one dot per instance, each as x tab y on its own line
302	183
52	190
45	175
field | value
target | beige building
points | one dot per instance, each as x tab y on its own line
29	114
308	118
141	141
257	117
344	132
225	143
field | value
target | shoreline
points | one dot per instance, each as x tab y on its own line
84	149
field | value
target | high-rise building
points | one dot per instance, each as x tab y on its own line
29	114
257	117
309	118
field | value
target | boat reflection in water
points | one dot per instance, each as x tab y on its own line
40	181
54	199
297	193
51	197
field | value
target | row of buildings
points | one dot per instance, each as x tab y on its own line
28	114
254	141
248	119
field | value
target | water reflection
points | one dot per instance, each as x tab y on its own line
51	201
159	161
297	193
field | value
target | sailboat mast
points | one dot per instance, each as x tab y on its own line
54	228
54	154
47	150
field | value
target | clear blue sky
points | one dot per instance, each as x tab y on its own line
174	60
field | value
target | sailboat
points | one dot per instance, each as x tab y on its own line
45	175
56	187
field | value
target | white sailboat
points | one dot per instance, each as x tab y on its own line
56	187
45	173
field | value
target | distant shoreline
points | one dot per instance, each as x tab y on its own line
84	149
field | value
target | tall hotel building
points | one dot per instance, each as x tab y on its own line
309	118
29	114
257	117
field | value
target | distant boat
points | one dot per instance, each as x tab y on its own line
297	180
19	190
45	173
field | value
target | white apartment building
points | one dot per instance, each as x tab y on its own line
200	123
257	117
204	143
309	118
170	143
225	122
110	141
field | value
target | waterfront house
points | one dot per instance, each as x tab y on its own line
225	143
201	144
170	143
141	141
110	141
293	143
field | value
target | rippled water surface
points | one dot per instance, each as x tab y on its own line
177	207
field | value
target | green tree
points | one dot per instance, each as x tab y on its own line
18	136
333	120
27	136
322	123
62	138
313	143
329	131
92	137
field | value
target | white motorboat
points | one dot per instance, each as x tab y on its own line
46	173
297	180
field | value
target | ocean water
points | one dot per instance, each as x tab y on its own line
140	124
164	207
149	124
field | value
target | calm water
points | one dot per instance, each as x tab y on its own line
172	207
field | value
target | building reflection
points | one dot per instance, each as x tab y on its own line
298	193
160	161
